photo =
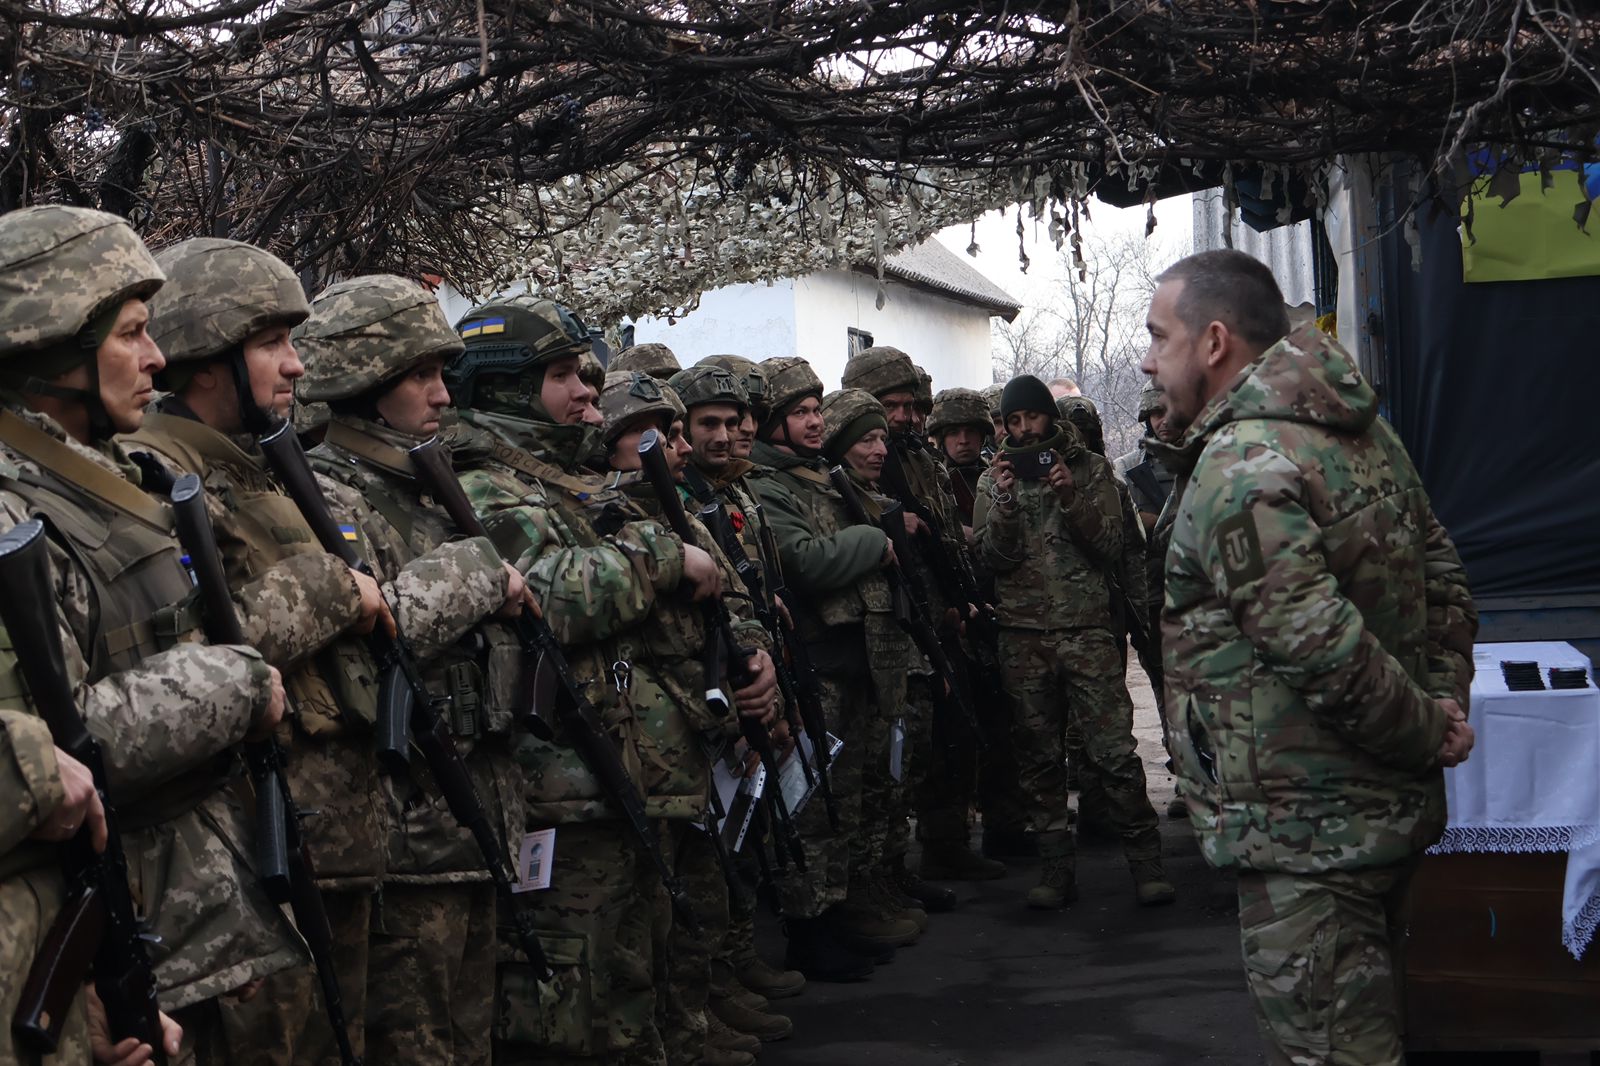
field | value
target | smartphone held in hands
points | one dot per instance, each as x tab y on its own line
1031	464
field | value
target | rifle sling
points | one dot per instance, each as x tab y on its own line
83	474
376	452
548	473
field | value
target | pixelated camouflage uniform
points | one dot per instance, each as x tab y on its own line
598	571
1059	653
1315	611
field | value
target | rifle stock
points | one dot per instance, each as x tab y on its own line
103	912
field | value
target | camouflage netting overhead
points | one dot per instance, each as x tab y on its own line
629	153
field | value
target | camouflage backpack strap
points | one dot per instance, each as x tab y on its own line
385	457
549	473
84	475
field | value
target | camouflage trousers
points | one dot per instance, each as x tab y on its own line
739	942
1058	677
887	803
682	998
28	904
852	717
286	1022
598	922
1322	959
430	995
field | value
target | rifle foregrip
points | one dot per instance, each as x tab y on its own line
58	971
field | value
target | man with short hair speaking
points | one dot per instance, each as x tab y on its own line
1318	648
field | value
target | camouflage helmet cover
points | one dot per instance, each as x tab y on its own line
991	395
703	384
881	370
789	380
656	360
751	377
629	394
670	394
959	407
218	293
61	267
1152	402
507	337
1081	412
924	391
366	331
591	371
847	416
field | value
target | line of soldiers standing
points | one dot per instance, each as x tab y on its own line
645	923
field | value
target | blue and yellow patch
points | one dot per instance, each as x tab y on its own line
483	328
349	531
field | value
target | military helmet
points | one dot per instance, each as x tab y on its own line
670	394
752	378
847	416
1152	402
591	371
218	294
924	391
991	395
1081	412
60	269
880	370
959	407
627	395
702	384
366	331
789	380
656	360
509	337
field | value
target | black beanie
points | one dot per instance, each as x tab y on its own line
1027	393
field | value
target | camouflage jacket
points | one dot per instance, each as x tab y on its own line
163	718
930	483
296	602
28	777
1150	479
597	570
1315	609
1050	560
470	666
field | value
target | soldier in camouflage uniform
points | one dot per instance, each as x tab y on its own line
599	569
841	610
374	350
225	317
1052	543
1319	635
1147	477
654	360
75	367
941	770
991	396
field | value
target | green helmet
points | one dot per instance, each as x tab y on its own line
509	342
847	416
751	377
881	370
218	293
959	407
924	391
366	331
591	371
1082	413
1152	402
629	394
790	379
61	269
656	360
702	384
991	396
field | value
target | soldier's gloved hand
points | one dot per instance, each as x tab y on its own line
888	559
518	595
129	1052
1060	480
272	714
81	805
374	608
914	525
759	698
701	574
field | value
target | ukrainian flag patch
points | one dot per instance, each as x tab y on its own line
348	530
484	327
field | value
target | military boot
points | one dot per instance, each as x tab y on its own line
958	862
1058	877
753	973
719	1034
764	1026
713	1055
816	952
862	923
731	988
1150	881
893	903
934	899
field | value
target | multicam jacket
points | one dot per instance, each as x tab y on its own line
1315	609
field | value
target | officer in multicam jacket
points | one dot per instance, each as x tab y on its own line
225	316
1052	543
840	604
75	367
374	350
598	569
1318	649
939	776
655	360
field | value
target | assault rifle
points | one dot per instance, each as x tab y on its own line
283	862
98	927
406	712
724	657
580	722
911	609
799	698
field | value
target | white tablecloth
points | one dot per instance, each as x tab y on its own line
1533	781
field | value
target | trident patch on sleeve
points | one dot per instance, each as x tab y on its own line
1240	548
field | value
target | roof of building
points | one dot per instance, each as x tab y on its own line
930	265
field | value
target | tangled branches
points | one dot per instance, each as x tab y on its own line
453	136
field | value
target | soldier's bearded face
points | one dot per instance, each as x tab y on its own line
563	393
901	410
963	444
713	430
678	450
866	455
126	362
415	402
1175	359
1028	427
273	365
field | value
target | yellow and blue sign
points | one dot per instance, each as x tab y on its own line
1539	232
483	328
349	531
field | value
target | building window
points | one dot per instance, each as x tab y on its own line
859	341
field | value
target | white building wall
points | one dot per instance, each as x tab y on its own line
948	339
756	321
